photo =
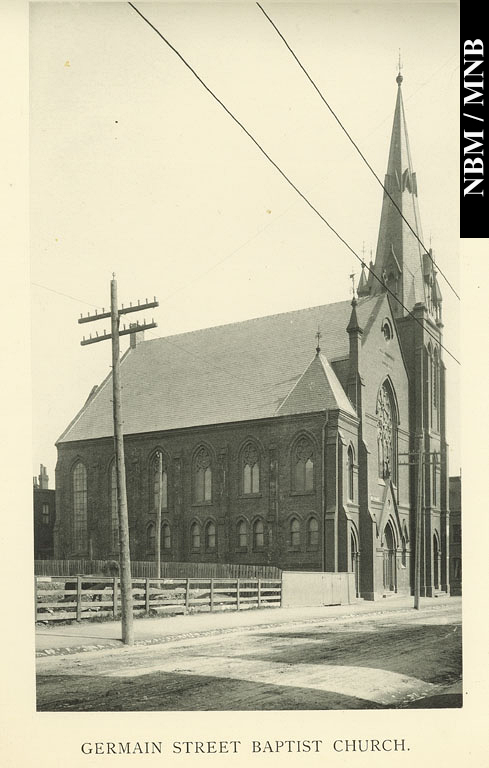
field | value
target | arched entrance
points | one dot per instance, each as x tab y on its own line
436	561
389	559
355	562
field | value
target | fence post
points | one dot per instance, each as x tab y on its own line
146	595
115	597
35	599
187	594
259	593
212	594
78	597
237	594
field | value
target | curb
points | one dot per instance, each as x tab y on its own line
162	639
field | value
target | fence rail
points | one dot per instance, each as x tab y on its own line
146	569
57	599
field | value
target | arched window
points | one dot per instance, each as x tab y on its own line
303	466
114	514
195	536
242	534
251	469
210	536
150	539
389	559
435	398
312	533
166	536
79	476
258	534
403	551
157	468
202	476
349	464
387	433
295	533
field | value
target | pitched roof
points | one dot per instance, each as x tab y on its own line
318	388
228	373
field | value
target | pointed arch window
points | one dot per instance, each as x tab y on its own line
202	476
258	534
166	536
156	483
151	539
350	473
242	534
114	514
79	478
312	533
251	469
295	533
303	466
435	397
210	536
195	536
387	433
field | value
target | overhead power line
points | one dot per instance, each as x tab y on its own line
287	179
322	97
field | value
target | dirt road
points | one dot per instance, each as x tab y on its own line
406	658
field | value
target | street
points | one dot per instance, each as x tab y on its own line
393	659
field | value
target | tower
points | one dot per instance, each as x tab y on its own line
407	272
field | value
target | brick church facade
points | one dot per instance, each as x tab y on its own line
282	446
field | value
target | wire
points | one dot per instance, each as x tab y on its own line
289	181
66	295
356	147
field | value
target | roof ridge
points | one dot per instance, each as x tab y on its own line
361	300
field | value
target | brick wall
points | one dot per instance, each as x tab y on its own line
275	504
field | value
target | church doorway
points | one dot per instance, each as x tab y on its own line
355	564
389	559
436	561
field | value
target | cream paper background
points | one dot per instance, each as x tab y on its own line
446	737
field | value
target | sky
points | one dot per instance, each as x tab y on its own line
135	169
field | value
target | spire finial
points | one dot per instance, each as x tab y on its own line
399	77
318	337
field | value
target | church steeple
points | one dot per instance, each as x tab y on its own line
399	261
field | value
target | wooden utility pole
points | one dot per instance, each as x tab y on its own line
158	515
419	525
124	551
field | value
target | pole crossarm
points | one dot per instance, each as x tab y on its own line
122	311
103	337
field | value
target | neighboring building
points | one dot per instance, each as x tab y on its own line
44	516
455	485
282	446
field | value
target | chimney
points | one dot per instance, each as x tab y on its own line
35	482
43	478
136	337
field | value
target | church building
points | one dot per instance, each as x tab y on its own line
288	440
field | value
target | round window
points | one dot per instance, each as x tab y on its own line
387	330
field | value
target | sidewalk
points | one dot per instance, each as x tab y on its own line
89	636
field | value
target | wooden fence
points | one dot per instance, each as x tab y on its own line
140	569
57	599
